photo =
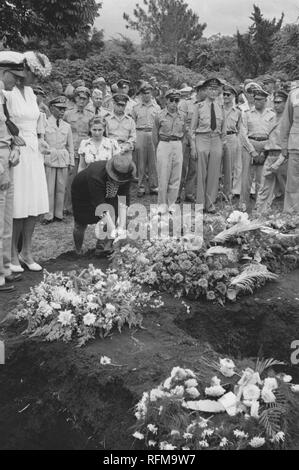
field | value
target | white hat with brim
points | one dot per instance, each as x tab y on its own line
13	62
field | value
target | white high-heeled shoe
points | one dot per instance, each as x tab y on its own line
16	268
32	266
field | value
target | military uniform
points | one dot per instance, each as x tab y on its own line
143	115
290	146
232	159
121	128
168	132
188	178
208	127
270	181
59	137
256	126
79	121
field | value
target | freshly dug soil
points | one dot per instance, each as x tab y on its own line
56	396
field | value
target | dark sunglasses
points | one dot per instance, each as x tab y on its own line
278	102
174	100
227	94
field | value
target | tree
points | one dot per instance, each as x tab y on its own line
167	26
255	46
286	47
23	19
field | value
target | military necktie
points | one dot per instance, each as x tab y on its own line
97	111
213	117
57	122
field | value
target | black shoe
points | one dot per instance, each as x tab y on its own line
57	219
190	199
47	222
6	288
13	278
154	191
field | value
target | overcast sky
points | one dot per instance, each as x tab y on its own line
221	16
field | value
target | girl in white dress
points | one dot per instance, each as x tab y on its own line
30	185
98	147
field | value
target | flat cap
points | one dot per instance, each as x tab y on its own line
12	61
58	102
82	90
212	82
120	98
230	88
172	94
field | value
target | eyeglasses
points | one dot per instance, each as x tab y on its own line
227	94
278	102
259	99
121	104
174	100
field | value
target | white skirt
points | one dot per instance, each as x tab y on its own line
30	184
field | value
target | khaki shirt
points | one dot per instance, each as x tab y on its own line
79	122
187	107
122	129
290	123
60	141
274	142
201	120
144	115
167	125
256	124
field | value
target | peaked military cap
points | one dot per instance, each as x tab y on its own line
82	90
261	93
230	88
281	94
120	98
212	82
99	80
58	102
172	94
122	82
145	86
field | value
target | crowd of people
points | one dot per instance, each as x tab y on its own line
69	153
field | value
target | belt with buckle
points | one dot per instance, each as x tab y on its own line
258	139
144	129
273	153
170	139
230	133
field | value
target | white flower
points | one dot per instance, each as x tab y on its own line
223	442
251	393
203	443
138	435
270	383
152	443
89	319
65	317
110	308
191	383
166	446
257	442
227	367
178	373
175	432
138	415
207	432
193	392
249	377
105	360
295	388
216	391
287	378
178	391
152	428
215	381
167	383
237	216
279	436
55	305
187	435
254	412
240	434
155	394
185	448
268	396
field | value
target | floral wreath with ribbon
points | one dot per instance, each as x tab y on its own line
38	63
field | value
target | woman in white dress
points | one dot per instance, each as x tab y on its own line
30	185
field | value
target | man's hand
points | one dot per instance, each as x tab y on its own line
43	147
285	153
193	153
14	157
71	169
19	141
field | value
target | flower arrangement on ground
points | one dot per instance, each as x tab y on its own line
84	305
237	410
